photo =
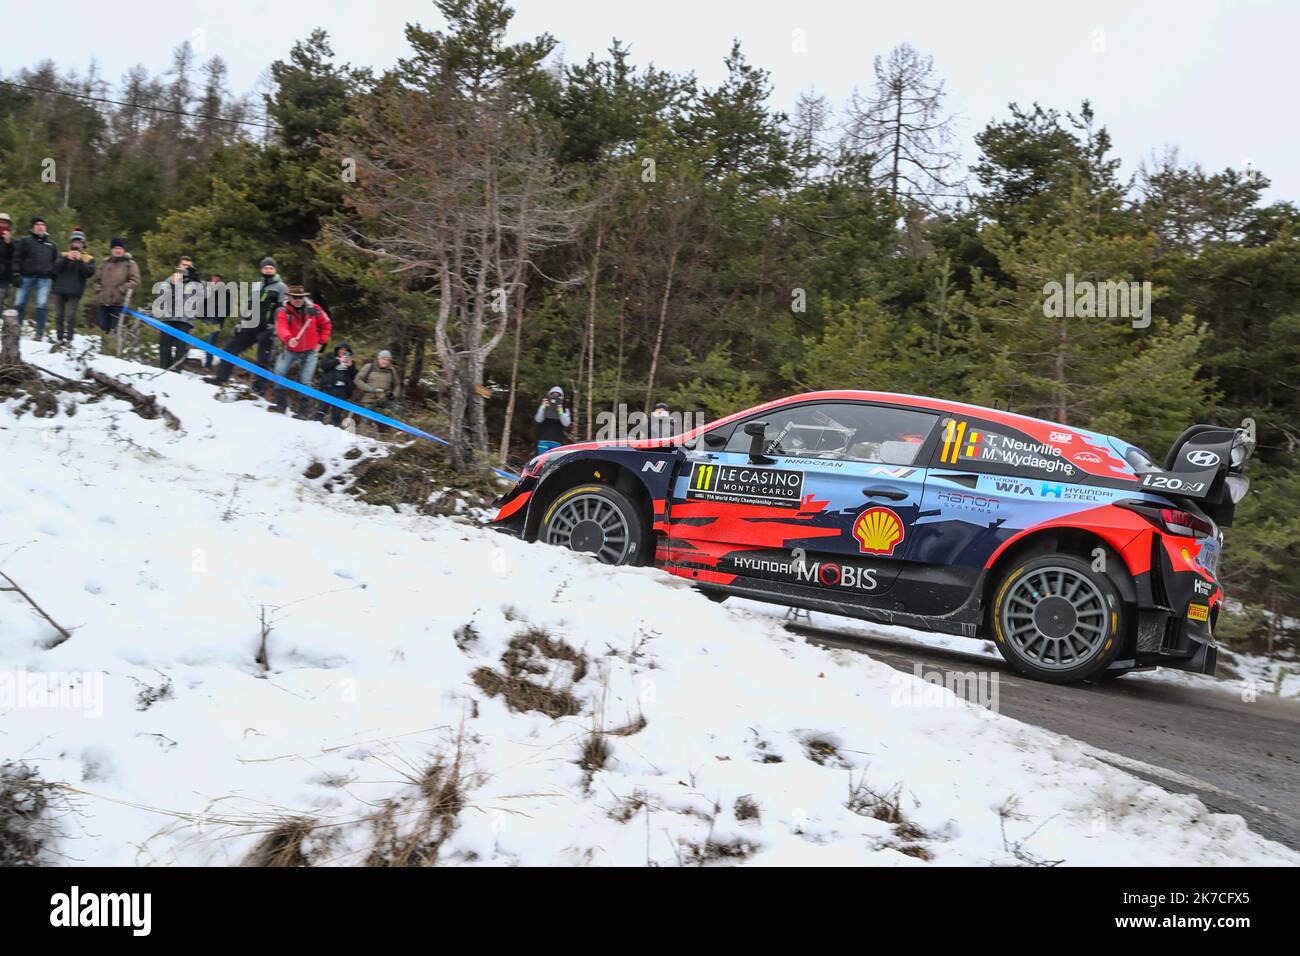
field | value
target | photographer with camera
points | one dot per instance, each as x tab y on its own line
71	272
552	419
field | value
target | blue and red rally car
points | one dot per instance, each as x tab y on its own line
1073	551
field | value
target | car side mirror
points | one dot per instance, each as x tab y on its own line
757	432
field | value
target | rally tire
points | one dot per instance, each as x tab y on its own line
1055	619
598	520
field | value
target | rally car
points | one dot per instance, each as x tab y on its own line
1073	551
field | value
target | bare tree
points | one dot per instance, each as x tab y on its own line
455	196
903	124
808	127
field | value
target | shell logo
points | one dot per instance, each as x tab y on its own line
878	531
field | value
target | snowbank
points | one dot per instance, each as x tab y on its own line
379	718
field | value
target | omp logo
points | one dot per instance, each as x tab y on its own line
878	531
103	909
1202	458
656	466
704	476
1014	487
1063	437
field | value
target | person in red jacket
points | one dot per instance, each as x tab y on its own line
303	327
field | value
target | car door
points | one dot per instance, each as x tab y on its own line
829	503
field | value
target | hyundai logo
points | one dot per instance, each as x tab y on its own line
1204	459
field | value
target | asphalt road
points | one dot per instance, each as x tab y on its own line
1238	757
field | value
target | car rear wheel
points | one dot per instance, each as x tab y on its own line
596	520
1056	619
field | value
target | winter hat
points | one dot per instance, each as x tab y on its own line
384	353
556	390
77	234
6	217
36	219
116	241
342	347
268	261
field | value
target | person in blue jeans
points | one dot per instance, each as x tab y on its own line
35	256
216	309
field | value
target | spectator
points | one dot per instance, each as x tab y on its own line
303	327
34	258
6	256
257	329
114	282
337	375
71	272
552	419
661	422
180	287
380	385
216	309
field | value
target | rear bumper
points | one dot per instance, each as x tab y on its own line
1168	640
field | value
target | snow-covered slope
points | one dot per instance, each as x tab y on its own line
373	721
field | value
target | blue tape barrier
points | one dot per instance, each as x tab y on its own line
307	390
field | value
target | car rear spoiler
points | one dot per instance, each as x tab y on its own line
1205	465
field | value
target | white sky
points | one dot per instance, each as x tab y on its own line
1207	77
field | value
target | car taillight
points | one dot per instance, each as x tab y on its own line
1185	523
1173	521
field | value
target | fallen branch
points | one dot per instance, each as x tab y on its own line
64	633
146	405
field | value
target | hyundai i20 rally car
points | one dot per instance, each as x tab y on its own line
1073	551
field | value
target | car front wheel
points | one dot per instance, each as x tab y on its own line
596	520
1056	619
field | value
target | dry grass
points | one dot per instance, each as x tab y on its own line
410	830
629	806
284	845
534	653
715	851
27	807
887	808
822	751
747	808
411	472
465	636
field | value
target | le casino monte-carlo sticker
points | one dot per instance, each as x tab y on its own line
745	485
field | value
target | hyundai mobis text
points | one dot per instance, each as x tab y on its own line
1075	552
